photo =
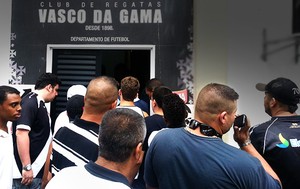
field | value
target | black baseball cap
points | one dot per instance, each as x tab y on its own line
282	89
75	106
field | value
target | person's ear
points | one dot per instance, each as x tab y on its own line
272	102
223	117
49	87
114	104
154	103
139	153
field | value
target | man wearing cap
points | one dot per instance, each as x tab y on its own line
278	140
63	118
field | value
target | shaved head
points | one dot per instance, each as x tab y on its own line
101	93
215	98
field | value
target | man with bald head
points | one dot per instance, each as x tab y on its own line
77	143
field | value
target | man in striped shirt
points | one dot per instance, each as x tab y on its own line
77	143
121	135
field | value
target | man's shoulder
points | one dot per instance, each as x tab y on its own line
169	134
155	122
135	108
140	101
65	176
276	123
79	130
62	118
61	132
85	124
30	98
261	127
154	118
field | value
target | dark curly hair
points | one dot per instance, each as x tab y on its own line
174	110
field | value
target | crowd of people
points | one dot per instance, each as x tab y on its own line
107	137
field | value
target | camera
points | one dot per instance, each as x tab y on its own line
240	121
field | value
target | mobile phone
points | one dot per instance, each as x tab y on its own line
240	121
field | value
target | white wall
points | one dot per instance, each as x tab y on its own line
247	20
228	49
227	45
246	68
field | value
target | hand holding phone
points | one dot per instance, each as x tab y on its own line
240	121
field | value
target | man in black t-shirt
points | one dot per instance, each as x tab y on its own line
32	134
278	140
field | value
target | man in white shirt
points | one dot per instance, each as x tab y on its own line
63	118
10	110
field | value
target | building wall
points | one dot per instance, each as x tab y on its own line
5	15
228	44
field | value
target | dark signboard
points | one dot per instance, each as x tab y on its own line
167	24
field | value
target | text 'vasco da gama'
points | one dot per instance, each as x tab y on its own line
100	16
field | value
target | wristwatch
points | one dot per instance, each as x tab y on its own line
246	143
27	167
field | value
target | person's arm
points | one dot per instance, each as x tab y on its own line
251	150
23	143
241	136
47	175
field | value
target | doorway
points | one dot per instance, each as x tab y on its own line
80	65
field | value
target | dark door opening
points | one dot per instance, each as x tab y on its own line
79	66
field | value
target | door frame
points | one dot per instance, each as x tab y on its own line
51	47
